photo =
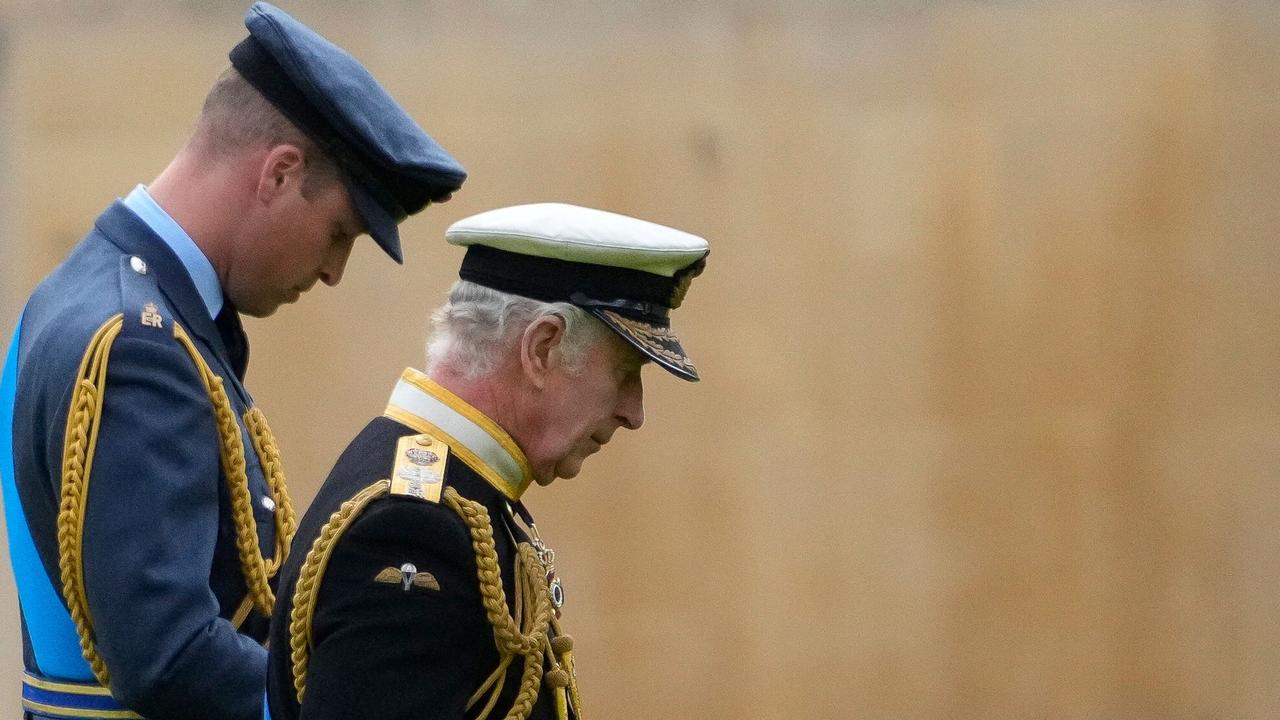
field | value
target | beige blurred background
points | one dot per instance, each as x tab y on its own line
990	424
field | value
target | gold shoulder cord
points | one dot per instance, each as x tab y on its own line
257	571
312	573
77	462
525	637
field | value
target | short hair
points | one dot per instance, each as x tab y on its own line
473	329
236	117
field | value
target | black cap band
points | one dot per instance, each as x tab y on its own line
632	293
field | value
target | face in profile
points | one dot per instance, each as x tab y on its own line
307	236
580	411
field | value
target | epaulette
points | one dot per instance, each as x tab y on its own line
145	312
419	467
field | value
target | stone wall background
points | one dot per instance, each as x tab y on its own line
989	424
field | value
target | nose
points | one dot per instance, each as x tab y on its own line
335	263
630	410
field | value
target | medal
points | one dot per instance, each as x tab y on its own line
546	556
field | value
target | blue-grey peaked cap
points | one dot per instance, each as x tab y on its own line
391	167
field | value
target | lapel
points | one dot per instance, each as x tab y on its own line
133	237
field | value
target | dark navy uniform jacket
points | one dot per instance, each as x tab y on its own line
161	572
379	650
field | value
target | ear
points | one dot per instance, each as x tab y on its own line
282	169
540	349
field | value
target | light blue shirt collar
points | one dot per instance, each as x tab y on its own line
198	266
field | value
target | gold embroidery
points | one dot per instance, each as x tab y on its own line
654	339
419	467
407	576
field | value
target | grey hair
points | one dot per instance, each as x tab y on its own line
477	324
236	117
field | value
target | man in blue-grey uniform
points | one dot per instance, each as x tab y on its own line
144	497
418	585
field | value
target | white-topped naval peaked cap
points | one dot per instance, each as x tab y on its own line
581	234
628	273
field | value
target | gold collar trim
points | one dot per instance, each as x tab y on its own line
425	406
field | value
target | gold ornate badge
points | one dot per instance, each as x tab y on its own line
419	468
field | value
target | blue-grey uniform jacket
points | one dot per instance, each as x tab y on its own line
161	573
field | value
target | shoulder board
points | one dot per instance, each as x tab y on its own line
144	308
419	467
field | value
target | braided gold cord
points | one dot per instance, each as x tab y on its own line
312	573
505	630
526	638
264	443
257	572
523	704
77	463
497	680
233	466
530	684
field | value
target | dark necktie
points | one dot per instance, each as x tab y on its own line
233	338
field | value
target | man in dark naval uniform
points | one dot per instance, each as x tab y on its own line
418	586
144	497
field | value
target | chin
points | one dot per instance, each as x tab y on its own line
259	312
565	472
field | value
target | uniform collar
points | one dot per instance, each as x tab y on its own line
192	257
425	406
124	229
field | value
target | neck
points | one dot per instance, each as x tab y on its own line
482	394
208	199
504	396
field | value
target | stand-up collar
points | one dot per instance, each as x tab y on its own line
425	406
132	236
203	276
